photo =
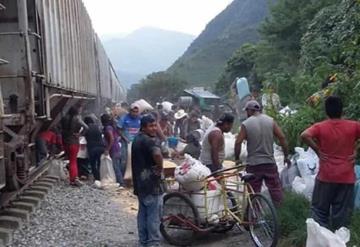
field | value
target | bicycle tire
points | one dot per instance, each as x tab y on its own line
260	202
233	208
194	217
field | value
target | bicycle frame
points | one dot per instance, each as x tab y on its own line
229	182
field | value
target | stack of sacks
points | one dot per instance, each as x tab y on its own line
192	175
307	163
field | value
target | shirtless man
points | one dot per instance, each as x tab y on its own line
213	147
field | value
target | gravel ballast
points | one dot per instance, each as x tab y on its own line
88	216
83	216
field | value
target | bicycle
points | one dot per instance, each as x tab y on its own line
233	203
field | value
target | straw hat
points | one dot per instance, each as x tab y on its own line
180	114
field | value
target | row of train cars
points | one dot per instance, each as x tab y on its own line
50	60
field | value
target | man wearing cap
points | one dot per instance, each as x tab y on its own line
213	147
147	166
259	130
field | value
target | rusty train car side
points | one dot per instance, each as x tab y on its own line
50	60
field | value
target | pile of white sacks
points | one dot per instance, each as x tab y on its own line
300	177
192	175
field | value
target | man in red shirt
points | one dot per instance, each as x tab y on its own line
334	140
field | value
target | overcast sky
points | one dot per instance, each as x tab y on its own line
125	16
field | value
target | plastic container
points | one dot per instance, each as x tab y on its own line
172	142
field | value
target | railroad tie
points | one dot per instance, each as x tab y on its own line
40	188
30	199
17	212
10	222
5	235
35	193
23	205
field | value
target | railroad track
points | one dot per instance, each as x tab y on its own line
17	206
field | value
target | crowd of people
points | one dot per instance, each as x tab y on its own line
143	138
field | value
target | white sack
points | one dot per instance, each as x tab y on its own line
167	106
191	174
318	236
206	123
304	186
214	204
279	158
288	175
143	105
107	174
58	168
82	154
229	140
128	170
307	162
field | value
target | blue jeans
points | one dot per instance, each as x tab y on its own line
148	220
118	169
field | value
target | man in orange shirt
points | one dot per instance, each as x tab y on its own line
334	140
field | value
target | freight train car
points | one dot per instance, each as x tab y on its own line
50	60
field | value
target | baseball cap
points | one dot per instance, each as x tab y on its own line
252	105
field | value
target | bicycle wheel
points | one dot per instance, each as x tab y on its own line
179	213
263	225
228	226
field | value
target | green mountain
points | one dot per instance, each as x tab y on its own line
206	57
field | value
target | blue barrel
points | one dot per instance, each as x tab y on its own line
172	142
242	88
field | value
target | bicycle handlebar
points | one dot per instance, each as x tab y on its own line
225	170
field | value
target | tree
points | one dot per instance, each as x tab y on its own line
157	87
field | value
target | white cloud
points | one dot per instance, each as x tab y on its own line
124	16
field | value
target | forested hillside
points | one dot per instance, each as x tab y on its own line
205	59
302	43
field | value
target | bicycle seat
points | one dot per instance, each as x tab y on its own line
247	177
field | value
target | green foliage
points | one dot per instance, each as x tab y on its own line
355	229
205	59
158	87
292	216
294	125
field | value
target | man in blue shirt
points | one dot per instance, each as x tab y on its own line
129	126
